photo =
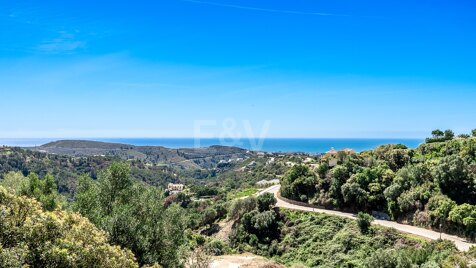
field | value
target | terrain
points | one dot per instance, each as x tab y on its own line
226	210
432	186
158	166
186	158
460	243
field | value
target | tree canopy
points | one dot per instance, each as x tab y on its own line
34	237
133	215
423	186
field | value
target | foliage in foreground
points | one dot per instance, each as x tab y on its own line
134	216
44	190
31	236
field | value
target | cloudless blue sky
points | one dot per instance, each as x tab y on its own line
340	68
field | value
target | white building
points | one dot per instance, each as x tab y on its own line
173	188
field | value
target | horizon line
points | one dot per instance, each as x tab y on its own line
225	138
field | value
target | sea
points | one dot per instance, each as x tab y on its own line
295	145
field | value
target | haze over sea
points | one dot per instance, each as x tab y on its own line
306	145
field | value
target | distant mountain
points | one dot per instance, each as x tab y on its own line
66	160
188	158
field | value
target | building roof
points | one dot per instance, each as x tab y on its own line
349	150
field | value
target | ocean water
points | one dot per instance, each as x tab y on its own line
267	145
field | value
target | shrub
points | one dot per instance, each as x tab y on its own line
266	201
364	221
209	216
216	247
33	237
242	206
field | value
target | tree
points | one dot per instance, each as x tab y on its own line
437	134
44	190
87	199
114	185
455	179
339	176
299	182
14	182
470	225
242	206
134	216
266	201
264	220
261	225
221	208
439	207
209	216
354	195
473	132
459	213
322	170
364	221
465	216
449	134
33	237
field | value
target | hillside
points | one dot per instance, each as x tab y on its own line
67	160
187	158
257	226
432	186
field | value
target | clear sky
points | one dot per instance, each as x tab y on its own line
301	68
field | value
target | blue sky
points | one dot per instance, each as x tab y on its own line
299	68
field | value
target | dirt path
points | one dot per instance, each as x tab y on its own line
225	230
461	243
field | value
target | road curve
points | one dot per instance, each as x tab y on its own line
460	243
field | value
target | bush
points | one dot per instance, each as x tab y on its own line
33	237
242	206
216	247
364	221
266	201
209	216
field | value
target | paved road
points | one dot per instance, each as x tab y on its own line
461	243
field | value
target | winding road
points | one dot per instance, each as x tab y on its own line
461	243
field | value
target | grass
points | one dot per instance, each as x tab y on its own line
242	193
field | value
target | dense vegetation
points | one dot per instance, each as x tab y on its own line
133	215
428	186
319	240
219	179
130	215
96	211
65	169
31	236
184	158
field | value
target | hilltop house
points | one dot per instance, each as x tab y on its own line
173	188
333	151
333	155
349	151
